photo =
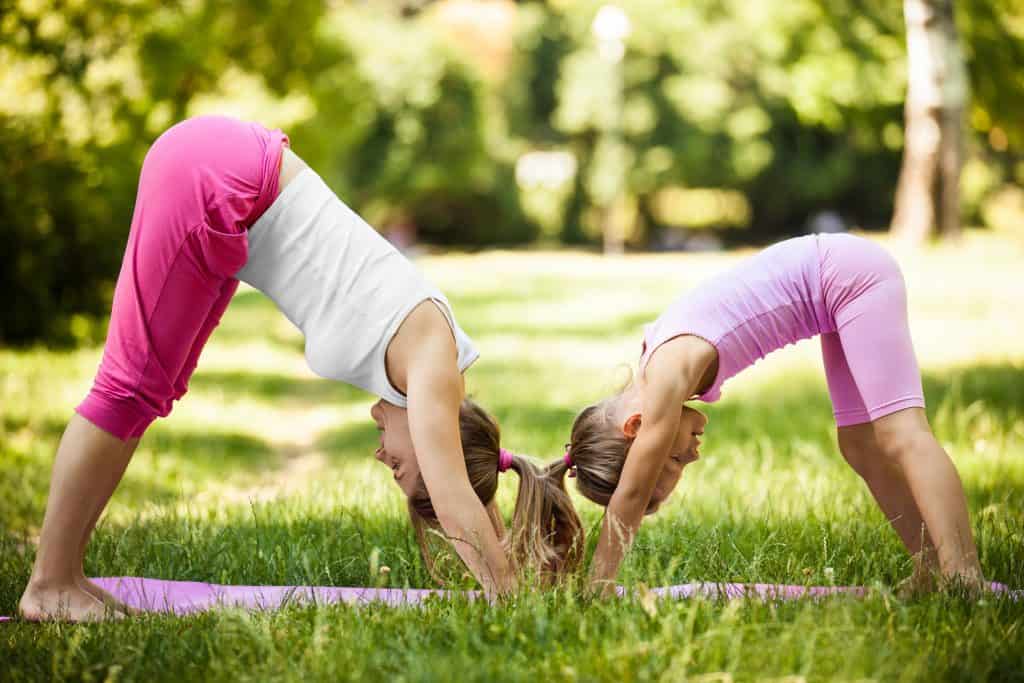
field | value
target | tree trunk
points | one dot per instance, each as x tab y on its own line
928	193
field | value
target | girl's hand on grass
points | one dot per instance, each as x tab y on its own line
602	589
968	586
925	582
921	582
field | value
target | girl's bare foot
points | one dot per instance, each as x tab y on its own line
63	603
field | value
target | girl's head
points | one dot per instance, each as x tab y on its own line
546	534
602	435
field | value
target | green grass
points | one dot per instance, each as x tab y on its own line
264	474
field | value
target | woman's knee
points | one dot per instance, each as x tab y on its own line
125	417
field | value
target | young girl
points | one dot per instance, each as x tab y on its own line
629	450
207	214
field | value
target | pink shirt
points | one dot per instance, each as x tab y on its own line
771	299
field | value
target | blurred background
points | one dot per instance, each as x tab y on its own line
468	124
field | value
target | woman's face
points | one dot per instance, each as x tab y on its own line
684	451
396	449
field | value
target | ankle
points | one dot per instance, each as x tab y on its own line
50	583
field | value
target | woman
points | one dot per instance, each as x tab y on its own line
209	213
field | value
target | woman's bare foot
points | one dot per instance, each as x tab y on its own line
63	603
105	597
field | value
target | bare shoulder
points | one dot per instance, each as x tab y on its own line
684	359
422	345
426	319
425	332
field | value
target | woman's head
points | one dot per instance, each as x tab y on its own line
480	444
546	534
603	434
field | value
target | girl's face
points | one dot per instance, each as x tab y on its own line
684	451
396	449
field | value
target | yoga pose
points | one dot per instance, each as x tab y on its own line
208	214
628	451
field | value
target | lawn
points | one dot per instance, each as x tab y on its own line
264	475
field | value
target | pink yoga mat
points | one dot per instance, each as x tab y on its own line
184	597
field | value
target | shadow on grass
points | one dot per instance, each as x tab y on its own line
252	316
846	541
273	388
273	544
212	453
802	408
999	387
25	472
354	441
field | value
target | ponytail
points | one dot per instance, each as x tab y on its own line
547	536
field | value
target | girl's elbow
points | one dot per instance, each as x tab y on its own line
629	499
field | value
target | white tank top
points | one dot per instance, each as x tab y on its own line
342	284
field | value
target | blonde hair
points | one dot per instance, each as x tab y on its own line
546	537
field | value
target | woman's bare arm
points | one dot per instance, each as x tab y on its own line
435	392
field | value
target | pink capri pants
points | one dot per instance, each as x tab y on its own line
869	359
203	183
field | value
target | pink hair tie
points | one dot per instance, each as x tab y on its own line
567	459
505	458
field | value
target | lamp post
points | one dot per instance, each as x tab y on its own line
611	27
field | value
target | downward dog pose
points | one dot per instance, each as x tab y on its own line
209	213
629	450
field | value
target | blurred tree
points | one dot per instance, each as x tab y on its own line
453	115
993	36
936	100
796	107
376	102
84	89
415	146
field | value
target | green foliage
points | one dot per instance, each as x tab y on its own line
788	105
400	131
746	118
379	105
798	106
87	87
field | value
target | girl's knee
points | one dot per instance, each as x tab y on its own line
859	464
859	451
899	446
